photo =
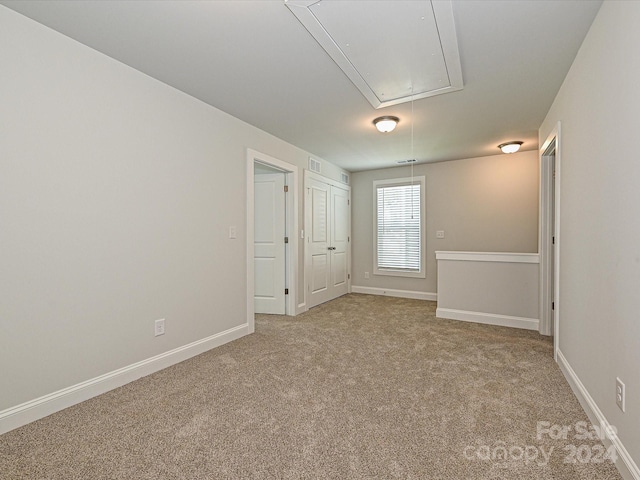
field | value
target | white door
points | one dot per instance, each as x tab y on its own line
269	246
318	198
339	252
327	241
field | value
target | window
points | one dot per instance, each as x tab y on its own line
399	225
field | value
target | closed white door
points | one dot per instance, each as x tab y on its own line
269	246
327	242
318	198
339	242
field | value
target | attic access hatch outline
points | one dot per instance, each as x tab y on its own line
390	50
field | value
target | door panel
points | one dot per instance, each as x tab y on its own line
265	271
319	275
320	204
269	247
338	274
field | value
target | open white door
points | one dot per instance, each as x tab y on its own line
269	243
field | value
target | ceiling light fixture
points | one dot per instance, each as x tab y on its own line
386	124
510	147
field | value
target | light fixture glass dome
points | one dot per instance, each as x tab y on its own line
386	124
510	147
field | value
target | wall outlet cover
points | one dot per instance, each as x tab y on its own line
159	327
620	394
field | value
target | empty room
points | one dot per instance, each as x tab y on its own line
319	239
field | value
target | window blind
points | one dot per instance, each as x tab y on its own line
398	234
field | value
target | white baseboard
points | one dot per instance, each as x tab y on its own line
388	292
488	318
32	410
625	464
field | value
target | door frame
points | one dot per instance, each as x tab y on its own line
550	222
291	222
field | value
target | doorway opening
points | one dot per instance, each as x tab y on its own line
272	264
549	237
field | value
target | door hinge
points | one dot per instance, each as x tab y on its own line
286	291
553	305
553	240
348	239
348	276
286	188
286	239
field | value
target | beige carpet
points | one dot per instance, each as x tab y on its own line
361	387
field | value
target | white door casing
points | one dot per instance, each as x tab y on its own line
549	227
269	244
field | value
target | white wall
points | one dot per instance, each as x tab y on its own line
496	288
487	204
116	195
598	106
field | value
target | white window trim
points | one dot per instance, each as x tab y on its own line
390	183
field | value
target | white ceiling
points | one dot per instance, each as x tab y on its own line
255	61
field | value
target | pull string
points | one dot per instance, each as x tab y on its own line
413	158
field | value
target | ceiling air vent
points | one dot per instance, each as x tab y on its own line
315	165
391	51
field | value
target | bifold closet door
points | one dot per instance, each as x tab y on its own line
327	241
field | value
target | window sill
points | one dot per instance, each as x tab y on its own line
400	273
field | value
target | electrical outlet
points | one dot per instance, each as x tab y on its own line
366	274
620	392
159	327
440	234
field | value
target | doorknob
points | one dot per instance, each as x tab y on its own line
331	248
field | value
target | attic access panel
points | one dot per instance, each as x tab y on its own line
388	49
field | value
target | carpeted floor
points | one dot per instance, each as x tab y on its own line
361	387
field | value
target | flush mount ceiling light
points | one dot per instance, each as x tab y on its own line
510	147
386	124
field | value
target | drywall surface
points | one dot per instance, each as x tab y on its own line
599	238
116	197
491	287
487	204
